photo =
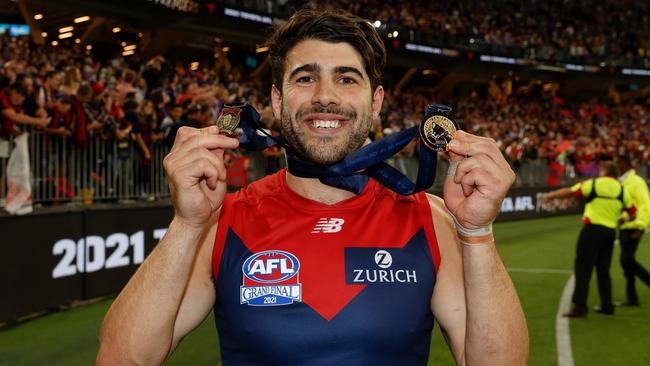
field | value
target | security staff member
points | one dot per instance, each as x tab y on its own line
606	199
631	230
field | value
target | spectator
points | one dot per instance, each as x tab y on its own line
71	81
12	112
63	118
175	114
30	105
49	91
125	85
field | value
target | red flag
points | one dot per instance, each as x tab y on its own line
555	173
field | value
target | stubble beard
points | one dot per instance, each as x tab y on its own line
325	149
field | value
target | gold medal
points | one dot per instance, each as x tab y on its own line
436	132
228	120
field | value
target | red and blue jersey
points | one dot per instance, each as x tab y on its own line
299	282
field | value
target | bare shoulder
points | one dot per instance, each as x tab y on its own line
442	220
437	205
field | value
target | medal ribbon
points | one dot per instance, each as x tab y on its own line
353	171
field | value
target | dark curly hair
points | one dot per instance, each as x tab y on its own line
329	26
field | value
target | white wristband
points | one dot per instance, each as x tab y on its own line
481	231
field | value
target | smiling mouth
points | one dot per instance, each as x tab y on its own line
325	124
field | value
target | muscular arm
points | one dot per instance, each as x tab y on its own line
23	118
172	291
493	329
170	294
448	300
474	300
496	326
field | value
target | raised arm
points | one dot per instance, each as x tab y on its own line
558	193
25	119
486	324
172	292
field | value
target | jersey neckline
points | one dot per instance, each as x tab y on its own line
305	204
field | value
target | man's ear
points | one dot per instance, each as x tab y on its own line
377	100
276	101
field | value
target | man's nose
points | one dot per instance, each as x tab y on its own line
325	94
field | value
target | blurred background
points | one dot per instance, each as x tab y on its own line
92	93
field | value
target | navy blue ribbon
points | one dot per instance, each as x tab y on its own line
250	139
353	171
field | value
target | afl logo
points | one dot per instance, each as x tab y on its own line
271	266
270	279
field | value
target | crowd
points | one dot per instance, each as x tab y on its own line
575	30
537	128
70	95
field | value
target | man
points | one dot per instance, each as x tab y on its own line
30	105
194	117
631	231
49	92
12	113
606	199
63	118
175	114
354	274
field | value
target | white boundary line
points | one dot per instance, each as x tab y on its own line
562	335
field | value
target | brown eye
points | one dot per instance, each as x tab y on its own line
347	80
305	79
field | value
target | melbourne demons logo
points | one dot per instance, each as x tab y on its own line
271	279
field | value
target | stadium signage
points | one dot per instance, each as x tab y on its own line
247	16
423	48
636	72
14	30
574	67
94	253
498	59
581	68
518	204
59	255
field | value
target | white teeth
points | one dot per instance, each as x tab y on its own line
326	124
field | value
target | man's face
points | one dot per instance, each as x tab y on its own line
16	98
176	113
28	85
326	105
54	82
63	107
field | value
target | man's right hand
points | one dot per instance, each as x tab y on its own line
196	173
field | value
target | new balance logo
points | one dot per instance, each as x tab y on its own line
328	225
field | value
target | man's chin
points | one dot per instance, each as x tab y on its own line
325	160
321	156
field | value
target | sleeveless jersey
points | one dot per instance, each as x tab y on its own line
303	283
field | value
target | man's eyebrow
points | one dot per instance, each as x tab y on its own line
306	68
346	69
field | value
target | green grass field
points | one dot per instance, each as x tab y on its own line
532	250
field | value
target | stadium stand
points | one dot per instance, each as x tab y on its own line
577	31
113	117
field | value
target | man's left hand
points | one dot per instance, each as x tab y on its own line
473	194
